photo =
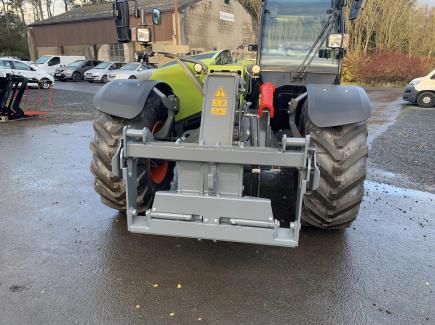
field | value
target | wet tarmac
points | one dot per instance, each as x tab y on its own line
386	106
67	259
82	86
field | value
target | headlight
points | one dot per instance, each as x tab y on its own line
336	41
197	68
414	82
143	35
256	69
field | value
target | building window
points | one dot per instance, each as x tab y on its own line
117	52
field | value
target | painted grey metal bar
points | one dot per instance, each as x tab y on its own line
253	235
218	154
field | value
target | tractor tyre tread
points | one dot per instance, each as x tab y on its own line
108	134
342	157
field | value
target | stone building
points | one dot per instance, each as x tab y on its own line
187	26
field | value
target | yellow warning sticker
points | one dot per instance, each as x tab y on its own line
220	93
219	102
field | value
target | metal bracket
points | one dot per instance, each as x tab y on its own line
117	161
172	104
314	179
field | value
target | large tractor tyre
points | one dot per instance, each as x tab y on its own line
342	156
153	175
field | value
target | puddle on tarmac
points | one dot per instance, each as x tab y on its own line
384	114
372	186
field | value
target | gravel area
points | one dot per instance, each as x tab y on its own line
408	148
63	106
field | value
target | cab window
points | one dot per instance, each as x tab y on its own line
224	58
54	61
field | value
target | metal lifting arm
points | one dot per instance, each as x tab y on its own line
180	60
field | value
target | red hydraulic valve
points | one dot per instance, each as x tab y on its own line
267	91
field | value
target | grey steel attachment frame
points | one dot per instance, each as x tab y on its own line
209	214
206	199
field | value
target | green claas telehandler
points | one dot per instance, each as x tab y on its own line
237	150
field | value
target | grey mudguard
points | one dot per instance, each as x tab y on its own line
333	105
124	98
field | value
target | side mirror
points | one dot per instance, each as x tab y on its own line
157	17
252	47
121	14
356	8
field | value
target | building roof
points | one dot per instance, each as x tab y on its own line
104	11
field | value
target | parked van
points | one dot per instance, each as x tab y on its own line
421	91
49	63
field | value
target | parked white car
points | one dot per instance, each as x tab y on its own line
17	58
49	63
133	70
100	72
42	79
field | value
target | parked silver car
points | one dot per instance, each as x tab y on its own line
76	70
100	72
134	70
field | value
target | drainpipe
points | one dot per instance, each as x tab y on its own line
176	23
31	43
95	50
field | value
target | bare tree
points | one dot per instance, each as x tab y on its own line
48	7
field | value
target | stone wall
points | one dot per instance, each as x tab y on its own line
103	51
212	24
85	50
40	51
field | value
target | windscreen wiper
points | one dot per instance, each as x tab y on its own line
302	69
